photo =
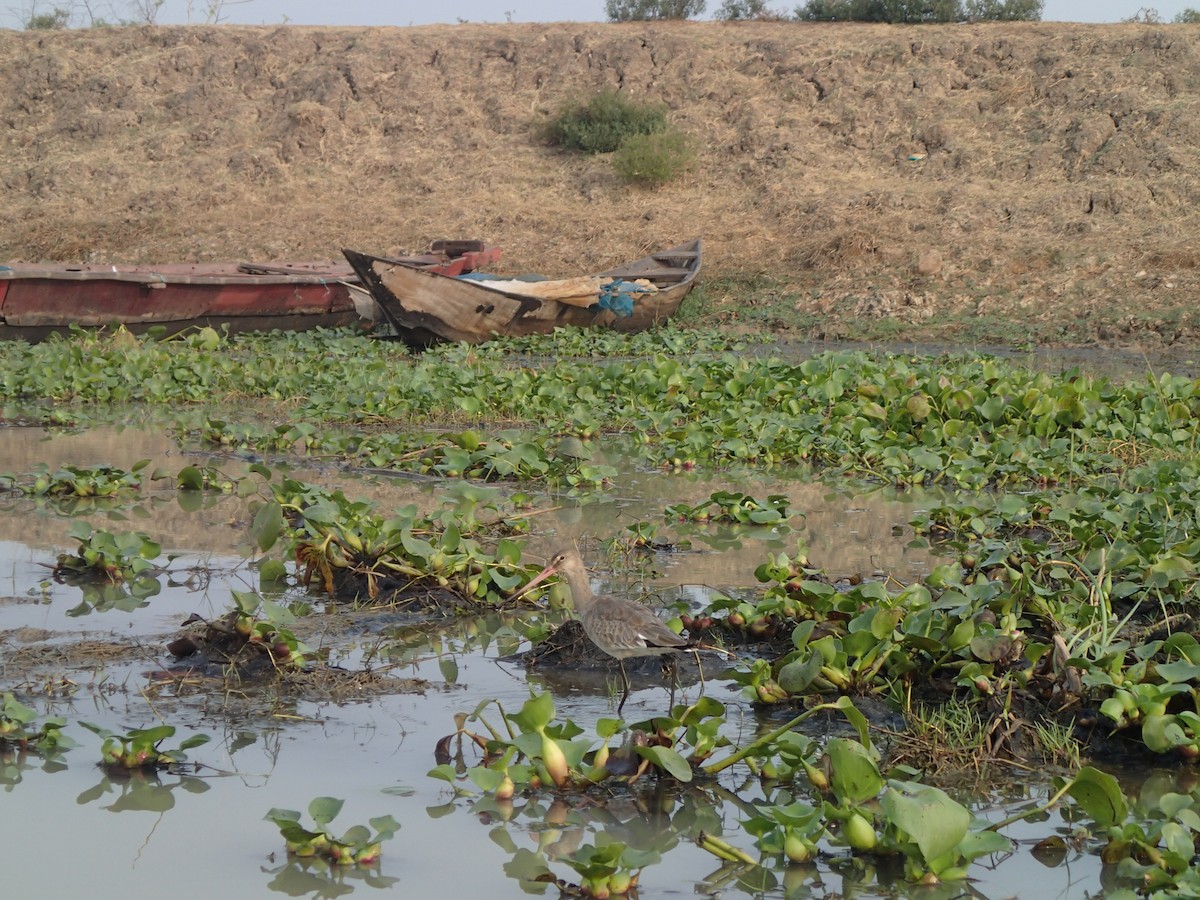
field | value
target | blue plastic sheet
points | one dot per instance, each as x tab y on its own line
619	296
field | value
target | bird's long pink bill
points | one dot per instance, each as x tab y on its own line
536	580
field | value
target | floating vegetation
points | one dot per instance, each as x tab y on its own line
139	748
735	507
1061	623
359	845
21	730
78	481
115	558
347	550
254	630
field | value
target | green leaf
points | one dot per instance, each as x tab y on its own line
857	719
536	714
385	827
151	736
486	779
1100	796
267	526
445	772
668	760
918	407
1161	733
190	479
325	809
928	815
195	740
16	711
607	727
356	836
796	676
854	778
272	571
1179	671
982	843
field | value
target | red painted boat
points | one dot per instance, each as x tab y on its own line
38	300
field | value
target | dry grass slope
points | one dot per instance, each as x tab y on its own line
1038	174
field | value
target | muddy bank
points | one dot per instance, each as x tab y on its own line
851	180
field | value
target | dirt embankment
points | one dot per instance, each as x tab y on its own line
1042	177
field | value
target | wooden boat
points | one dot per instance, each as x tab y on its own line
36	300
423	307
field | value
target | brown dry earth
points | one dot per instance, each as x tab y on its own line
1042	178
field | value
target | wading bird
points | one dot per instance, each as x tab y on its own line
619	627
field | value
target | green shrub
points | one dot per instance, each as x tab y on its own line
51	21
920	11
654	159
602	123
650	10
745	10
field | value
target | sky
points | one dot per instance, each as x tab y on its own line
425	12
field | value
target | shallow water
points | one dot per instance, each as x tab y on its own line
203	834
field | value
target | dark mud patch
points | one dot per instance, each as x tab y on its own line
351	587
569	659
36	652
216	655
320	683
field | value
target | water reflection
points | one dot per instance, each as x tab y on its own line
15	762
657	816
317	877
845	532
329	745
142	790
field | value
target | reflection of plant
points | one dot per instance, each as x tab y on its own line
125	596
14	761
140	789
609	867
357	845
138	749
1156	850
315	876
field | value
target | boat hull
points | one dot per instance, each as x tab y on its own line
37	301
424	307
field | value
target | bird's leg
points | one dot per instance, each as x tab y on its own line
700	669
624	686
674	679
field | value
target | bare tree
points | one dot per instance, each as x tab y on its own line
145	12
213	11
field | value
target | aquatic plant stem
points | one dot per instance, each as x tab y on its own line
724	850
736	756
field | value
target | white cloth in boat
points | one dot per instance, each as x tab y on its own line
583	290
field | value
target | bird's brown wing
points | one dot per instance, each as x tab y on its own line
621	629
